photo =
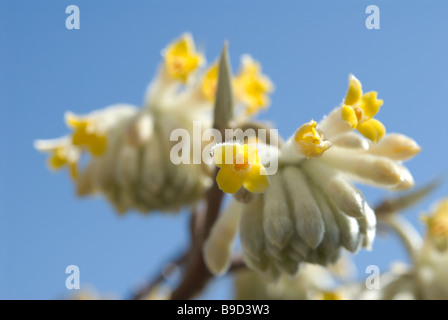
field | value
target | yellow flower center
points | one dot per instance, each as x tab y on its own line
85	135
239	165
358	110
59	158
241	162
310	141
181	58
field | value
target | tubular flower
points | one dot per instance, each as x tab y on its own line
432	258
62	154
130	148
427	277
86	135
251	86
358	110
311	210
438	222
240	166
310	141
130	160
181	58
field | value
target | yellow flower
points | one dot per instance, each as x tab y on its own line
252	87
85	134
59	159
210	82
62	154
240	166
438	222
358	110
310	141
181	58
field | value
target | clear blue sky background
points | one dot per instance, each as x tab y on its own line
307	49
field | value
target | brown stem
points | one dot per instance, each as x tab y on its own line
196	274
171	267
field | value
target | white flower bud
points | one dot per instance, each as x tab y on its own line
219	245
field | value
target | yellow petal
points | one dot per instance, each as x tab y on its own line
372	129
80	137
354	91
310	141
256	180
73	170
229	181
442	208
251	86
349	115
369	104
97	144
210	82
74	121
251	154
58	159
438	222
181	58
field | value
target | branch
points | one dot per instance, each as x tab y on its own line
392	205
196	274
146	290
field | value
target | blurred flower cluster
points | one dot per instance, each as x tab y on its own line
293	220
129	147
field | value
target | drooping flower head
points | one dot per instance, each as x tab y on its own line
86	135
128	149
426	277
240	166
311	210
62	154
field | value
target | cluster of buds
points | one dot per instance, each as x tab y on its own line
309	209
129	147
305	212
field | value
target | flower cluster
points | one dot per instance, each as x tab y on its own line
310	209
129	147
427	276
304	214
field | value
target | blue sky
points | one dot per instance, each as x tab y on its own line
308	50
